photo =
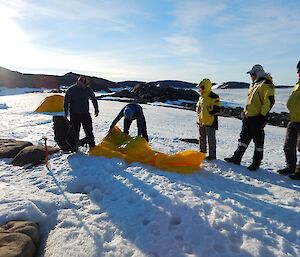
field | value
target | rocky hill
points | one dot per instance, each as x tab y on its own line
14	79
161	83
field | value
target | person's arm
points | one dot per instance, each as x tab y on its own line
216	106
268	99
116	120
95	102
67	100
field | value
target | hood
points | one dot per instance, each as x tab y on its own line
206	84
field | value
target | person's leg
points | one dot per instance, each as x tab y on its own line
290	145
202	139
127	124
244	141
290	149
211	135
76	123
88	129
145	135
258	140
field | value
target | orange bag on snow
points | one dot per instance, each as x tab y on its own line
136	149
53	103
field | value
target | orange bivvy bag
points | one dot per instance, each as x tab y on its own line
136	149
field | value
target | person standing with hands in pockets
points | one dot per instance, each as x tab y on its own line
207	108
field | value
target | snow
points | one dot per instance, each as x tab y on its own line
14	91
93	206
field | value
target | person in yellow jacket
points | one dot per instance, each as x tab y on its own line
207	108
293	132
259	102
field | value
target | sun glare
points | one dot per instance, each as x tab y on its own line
14	42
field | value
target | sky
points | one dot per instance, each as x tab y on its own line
152	40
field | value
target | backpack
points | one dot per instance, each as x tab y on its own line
64	134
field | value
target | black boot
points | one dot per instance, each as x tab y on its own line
83	142
296	174
257	157
237	156
287	170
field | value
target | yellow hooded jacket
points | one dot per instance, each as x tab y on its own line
260	98
293	104
208	106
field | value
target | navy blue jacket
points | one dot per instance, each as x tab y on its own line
77	99
138	116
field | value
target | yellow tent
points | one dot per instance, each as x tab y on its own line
136	149
53	103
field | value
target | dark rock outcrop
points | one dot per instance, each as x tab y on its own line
148	92
274	119
162	83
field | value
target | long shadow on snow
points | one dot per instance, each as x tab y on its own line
151	220
262	212
45	234
264	175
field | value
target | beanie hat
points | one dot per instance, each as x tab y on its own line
298	65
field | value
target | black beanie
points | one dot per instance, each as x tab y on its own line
298	65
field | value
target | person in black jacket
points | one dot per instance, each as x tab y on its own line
132	112
76	103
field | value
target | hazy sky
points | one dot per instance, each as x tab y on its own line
152	39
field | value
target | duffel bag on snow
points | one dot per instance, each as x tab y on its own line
64	134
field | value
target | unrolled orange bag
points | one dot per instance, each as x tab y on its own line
53	103
136	149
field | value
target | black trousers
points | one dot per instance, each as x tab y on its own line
84	119
290	144
253	129
142	131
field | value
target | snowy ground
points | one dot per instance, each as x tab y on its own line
92	206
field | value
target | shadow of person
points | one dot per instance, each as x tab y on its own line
139	204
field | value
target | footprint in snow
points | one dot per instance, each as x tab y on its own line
175	220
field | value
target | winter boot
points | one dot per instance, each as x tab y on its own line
257	157
83	142
296	174
237	156
287	170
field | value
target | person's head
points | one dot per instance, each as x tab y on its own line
83	81
298	69
257	72
128	113
204	86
